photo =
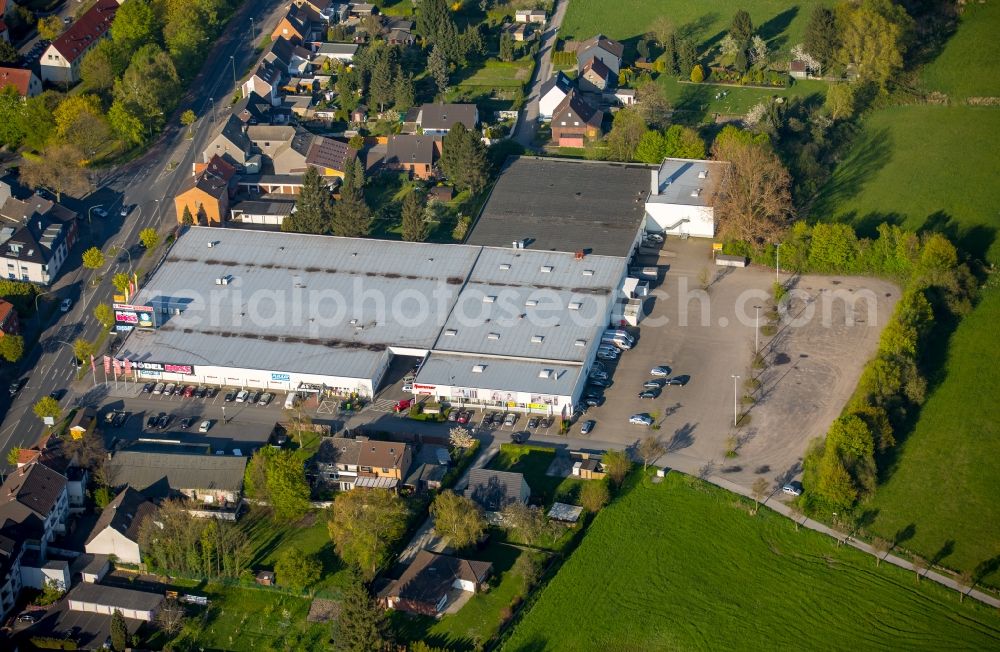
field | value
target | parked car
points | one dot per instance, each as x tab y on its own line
547	422
230	396
533	423
120	419
211	392
650	393
793	488
169	389
163	421
607	355
453	416
30	616
158	388
680	381
510	419
186	422
200	392
253	397
242	396
587	426
16	386
100	212
408	388
124	211
151	421
404	404
654	237
656	383
148	388
463	417
495	418
205	426
640	420
660	372
189	391
593	401
57	394
598	382
598	374
65	304
519	437
265	399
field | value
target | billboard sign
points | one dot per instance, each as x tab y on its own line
281	377
134	316
165	367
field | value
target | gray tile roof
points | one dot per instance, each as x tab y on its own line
142	470
565	205
31	489
444	116
124	514
113	596
494	490
412	149
430	576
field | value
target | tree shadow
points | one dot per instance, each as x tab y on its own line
986	568
682	438
773	30
944	551
697	27
904	534
974	241
869	153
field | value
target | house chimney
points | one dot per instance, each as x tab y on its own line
654	185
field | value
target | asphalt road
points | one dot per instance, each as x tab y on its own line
527	124
146	187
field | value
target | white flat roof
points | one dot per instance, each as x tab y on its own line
690	182
500	374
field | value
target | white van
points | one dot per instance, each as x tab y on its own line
291	400
610	332
621	342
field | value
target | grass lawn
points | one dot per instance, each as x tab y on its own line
933	167
961	70
781	23
683	565
496	73
696	102
532	463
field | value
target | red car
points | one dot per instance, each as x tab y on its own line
404	404
189	391
463	417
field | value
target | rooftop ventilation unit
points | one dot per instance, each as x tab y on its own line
574	305
489	298
703	174
696	192
517	244
537	339
588	272
223	280
531	303
504	267
545	373
493	336
580	343
478	368
545	269
451	332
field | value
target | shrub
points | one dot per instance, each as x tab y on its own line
697	74
769	330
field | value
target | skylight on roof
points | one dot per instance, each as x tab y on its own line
493	336
478	368
537	339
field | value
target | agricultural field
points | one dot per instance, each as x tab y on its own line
951	73
697	570
781	23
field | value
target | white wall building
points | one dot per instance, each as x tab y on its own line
682	197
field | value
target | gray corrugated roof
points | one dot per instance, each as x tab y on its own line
565	205
499	374
141	470
264	207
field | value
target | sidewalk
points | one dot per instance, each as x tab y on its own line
783	509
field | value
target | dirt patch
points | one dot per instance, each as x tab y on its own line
322	611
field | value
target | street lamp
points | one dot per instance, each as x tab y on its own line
89	210
253	34
736	408
756	336
777	262
233	61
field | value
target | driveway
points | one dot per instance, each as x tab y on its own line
527	123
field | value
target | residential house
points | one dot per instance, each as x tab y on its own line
360	114
520	32
270	184
208	479
36	236
104	599
322	11
347	463
530	16
552	93
575	121
296	25
361	9
428	582
330	157
438	119
36	497
682	197
117	530
253	109
26	82
290	58
412	153
494	490
400	37
798	69
206	194
265	211
50	451
595	77
60	62
624	97
232	145
83	423
342	52
265	81
608	51
9	322
285	147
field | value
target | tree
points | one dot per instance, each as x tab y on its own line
653	105
51	591
11	109
882	547
840	101
361	625
461	437
103	65
314	207
457	518
296	569
529	568
662	29
626	132
93	258
149	88
50	27
506	47
80	121
920	566
380	86
687	55
874	36
759	53
759	490
351	217
414	227
188	118
119	632
729	46
437	69
13	454
58	169
797	513
966	582
149	238
683	142
187	219
170	617
742	27
403	92
121	282
127	123
617	465
822	38
102	497
47	407
698	74
463	159
134	26
594	496
35	120
651	147
11	347
83	350
364	525
530	522
754	201
104	315
287	487
8	54
650	449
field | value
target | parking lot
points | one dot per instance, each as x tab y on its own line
707	337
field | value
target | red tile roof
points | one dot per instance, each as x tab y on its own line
16	77
6	307
87	29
